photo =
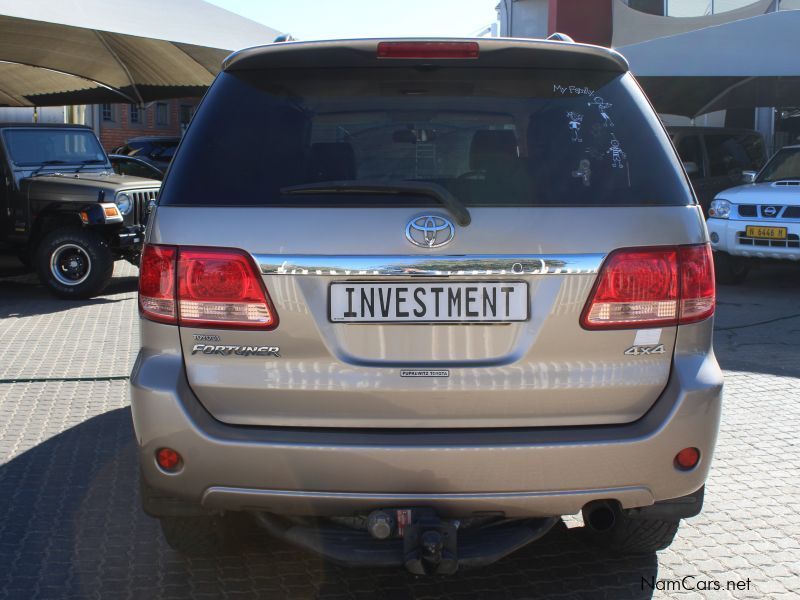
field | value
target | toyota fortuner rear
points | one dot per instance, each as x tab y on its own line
407	302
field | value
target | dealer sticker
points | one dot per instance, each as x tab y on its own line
424	373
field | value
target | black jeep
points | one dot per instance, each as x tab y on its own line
63	209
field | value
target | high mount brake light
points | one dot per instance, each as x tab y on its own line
203	287
652	287
428	50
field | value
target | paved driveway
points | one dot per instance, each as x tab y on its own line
71	526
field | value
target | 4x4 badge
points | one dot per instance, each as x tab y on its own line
430	231
642	350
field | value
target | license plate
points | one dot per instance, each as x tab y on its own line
430	302
766	233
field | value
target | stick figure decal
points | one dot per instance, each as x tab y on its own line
617	155
575	120
602	107
584	172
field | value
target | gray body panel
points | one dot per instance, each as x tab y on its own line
521	471
546	371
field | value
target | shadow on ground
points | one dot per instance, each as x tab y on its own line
71	525
758	321
23	295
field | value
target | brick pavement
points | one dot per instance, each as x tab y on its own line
71	526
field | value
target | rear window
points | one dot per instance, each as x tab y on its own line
492	137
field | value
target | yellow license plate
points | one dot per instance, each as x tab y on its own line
766	233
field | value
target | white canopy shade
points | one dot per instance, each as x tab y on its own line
56	52
746	63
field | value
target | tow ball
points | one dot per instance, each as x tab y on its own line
430	545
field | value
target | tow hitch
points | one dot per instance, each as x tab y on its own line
430	545
416	538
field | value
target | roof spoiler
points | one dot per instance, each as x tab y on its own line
494	52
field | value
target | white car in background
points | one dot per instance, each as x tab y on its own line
760	219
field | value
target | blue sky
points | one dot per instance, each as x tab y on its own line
324	19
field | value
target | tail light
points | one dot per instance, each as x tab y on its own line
652	287
157	284
428	50
203	287
698	292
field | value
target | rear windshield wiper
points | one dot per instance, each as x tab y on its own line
47	163
364	186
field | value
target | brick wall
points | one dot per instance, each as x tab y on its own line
116	132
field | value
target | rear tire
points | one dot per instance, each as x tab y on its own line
205	535
74	263
730	270
624	535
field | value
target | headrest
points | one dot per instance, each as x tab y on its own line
489	147
331	161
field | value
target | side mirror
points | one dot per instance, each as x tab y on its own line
692	169
749	176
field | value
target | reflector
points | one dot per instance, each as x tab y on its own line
687	458
168	459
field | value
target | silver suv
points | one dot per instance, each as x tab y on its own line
408	302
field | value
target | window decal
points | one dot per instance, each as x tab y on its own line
575	120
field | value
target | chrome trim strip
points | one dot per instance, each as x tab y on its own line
511	265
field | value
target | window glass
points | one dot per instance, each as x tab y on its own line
28	147
726	5
134	113
784	165
135	168
186	114
107	112
729	155
489	136
688	8
652	7
162	113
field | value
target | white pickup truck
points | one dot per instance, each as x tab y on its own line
758	220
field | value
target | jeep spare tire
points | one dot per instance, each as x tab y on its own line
74	263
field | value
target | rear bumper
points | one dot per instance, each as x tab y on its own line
521	472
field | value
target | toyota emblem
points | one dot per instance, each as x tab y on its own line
430	231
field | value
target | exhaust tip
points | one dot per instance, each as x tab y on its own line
599	516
